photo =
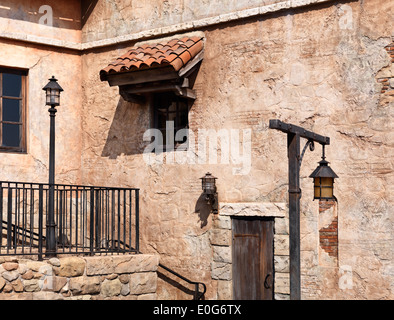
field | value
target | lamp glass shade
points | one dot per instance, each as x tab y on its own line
208	183
323	177
52	97
324	188
52	90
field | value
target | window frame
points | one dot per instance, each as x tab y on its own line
155	115
22	148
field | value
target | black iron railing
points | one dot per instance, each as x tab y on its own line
197	295
88	219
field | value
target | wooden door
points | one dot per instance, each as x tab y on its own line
253	259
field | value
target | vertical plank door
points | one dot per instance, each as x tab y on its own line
253	274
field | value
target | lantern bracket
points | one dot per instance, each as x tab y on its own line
311	145
294	133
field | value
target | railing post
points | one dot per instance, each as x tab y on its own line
196	291
9	218
1	215
137	220
60	217
40	219
98	219
91	223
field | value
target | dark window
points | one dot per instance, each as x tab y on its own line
170	107
12	110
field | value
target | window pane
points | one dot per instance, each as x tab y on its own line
172	117
12	85
183	120
11	135
11	110
172	107
161	120
183	114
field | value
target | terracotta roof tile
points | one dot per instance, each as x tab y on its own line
175	52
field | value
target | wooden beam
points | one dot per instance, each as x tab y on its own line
143	76
293	152
135	98
177	89
291	128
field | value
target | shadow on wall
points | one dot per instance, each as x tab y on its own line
184	289
125	135
178	284
203	209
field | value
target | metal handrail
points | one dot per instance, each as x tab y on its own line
197	294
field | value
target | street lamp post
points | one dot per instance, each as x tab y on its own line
52	90
294	133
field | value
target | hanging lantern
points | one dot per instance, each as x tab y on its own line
323	178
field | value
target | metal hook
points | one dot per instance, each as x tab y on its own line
311	145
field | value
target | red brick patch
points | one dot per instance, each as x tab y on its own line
329	236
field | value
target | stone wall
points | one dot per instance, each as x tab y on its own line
221	241
131	277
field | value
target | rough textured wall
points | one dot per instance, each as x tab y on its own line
62	20
317	67
118	18
328	68
42	63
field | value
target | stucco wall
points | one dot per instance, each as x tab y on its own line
49	19
112	19
41	64
315	67
322	67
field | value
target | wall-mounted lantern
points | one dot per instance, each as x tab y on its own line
323	177
209	190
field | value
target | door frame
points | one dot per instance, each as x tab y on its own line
263	229
221	243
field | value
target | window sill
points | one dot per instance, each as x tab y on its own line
13	151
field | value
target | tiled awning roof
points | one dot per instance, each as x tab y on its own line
175	52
